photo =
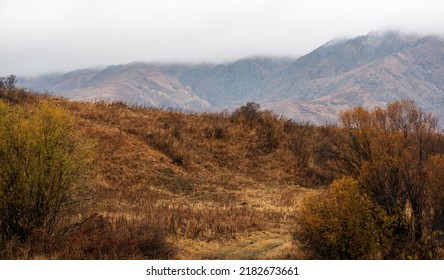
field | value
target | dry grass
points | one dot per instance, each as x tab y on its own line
215	222
191	186
96	238
211	179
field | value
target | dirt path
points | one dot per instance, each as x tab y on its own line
256	246
260	245
274	243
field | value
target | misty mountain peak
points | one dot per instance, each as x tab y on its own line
369	70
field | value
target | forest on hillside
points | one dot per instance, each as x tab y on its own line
97	180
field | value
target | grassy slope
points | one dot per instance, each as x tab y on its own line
206	176
213	182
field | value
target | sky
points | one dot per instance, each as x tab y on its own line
48	36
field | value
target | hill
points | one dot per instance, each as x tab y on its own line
241	185
208	182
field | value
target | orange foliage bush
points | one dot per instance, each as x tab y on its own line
342	223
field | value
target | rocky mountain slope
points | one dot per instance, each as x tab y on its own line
135	83
189	87
369	71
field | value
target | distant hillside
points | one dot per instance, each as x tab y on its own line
134	83
368	71
181	86
228	84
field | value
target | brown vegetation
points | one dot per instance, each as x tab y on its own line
202	178
394	155
171	185
342	223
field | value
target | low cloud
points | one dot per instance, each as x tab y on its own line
43	36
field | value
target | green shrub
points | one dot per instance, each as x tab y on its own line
43	163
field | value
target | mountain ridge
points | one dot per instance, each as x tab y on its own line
369	71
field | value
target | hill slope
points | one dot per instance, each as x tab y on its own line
219	185
206	180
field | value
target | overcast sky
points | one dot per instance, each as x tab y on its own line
41	36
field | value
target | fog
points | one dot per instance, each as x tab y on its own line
44	36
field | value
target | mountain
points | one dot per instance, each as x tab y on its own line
190	87
228	84
368	71
135	83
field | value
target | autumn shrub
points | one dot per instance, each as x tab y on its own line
8	83
435	195
269	131
299	142
248	113
10	93
44	163
95	238
99	237
268	128
343	223
322	156
386	150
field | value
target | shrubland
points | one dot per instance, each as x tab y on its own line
105	180
392	155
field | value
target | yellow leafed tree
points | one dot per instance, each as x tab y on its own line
43	166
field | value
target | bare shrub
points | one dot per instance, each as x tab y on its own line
10	93
248	113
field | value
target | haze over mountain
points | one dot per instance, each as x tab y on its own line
369	71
